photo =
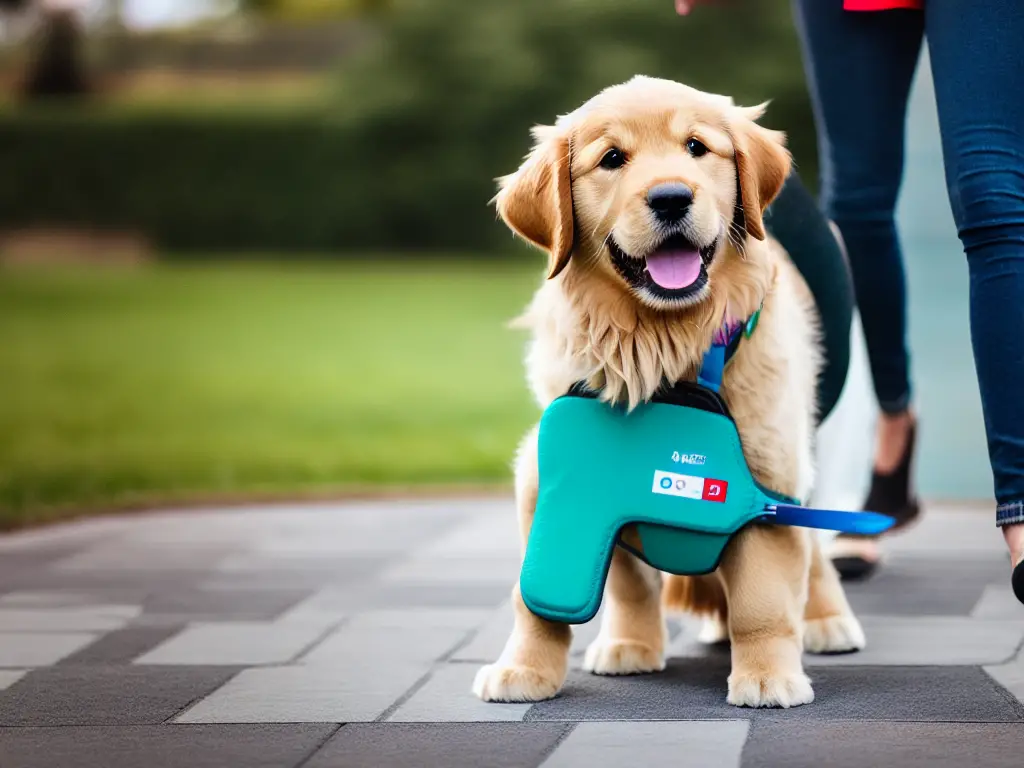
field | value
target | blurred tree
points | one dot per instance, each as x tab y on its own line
313	9
58	68
435	103
451	86
115	15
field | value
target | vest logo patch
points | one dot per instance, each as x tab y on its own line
689	487
689	458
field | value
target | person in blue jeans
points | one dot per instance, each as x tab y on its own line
859	68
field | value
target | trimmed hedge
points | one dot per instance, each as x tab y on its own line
405	154
192	180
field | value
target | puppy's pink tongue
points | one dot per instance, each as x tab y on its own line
674	269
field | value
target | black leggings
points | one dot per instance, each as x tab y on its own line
796	221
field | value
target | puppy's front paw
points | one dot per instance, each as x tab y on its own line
841	633
514	684
770	690
622	657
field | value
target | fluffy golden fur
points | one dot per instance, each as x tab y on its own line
774	593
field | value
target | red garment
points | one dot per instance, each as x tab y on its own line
881	5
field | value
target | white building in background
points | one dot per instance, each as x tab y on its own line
135	14
150	14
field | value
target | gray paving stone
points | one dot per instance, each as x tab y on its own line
384	645
489	641
1010	676
914	586
126	593
330	604
440	595
389	529
351	691
900	745
483	535
949	535
421	618
163	746
138	582
927	640
99	618
42	599
377	628
686	645
54	542
452	745
446	697
474	570
695	689
9	677
315	545
230	643
106	695
327	567
294	573
122	646
239	526
118	555
224	604
626	745
998	602
38	649
907	641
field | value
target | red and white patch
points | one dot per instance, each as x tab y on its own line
689	486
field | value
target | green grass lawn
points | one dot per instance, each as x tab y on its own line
175	383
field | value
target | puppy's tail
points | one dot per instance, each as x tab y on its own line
698	595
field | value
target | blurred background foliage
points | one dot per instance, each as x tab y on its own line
389	140
330	313
312	9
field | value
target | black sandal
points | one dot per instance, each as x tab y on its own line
891	495
1017	581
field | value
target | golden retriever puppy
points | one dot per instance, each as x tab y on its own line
649	201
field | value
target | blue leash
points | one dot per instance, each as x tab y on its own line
856	523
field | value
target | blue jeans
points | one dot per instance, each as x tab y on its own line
860	67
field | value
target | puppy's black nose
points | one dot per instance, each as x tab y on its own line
669	201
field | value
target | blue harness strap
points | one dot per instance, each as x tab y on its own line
856	523
726	340
713	367
710	376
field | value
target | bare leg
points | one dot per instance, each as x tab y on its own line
1014	535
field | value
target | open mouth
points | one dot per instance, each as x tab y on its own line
675	270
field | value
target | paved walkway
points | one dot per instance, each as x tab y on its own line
348	635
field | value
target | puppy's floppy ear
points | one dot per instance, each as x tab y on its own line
536	201
762	165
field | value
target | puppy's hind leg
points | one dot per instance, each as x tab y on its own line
701	596
535	661
830	625
632	637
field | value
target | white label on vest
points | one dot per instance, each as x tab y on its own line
689	487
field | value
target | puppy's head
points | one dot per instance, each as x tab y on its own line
651	183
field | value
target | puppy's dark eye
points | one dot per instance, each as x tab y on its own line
696	148
613	158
